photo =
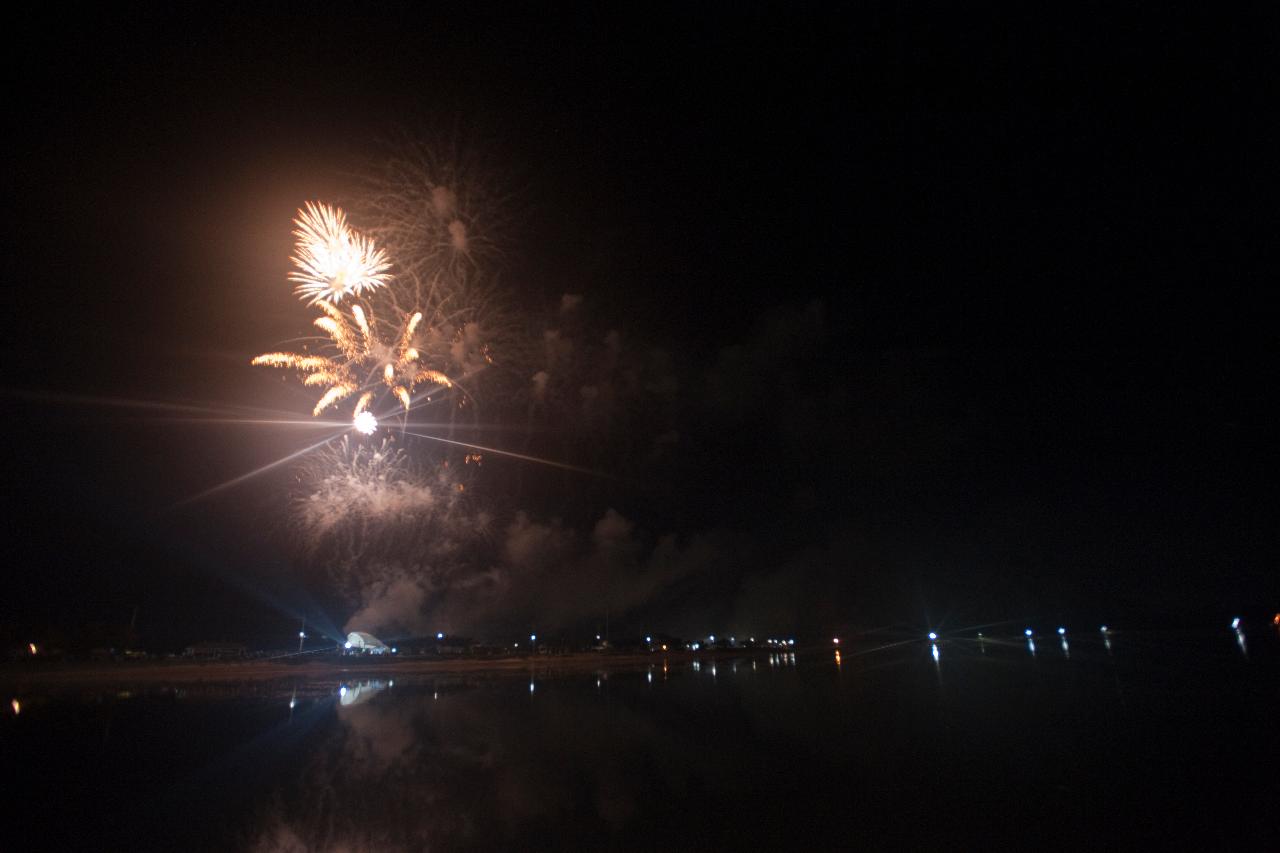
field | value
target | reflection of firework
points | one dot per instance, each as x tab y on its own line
333	260
360	360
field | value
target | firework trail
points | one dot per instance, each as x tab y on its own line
333	260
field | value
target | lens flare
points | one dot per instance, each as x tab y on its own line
365	422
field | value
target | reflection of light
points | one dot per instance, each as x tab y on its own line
1062	632
17	707
1244	647
932	636
530	686
664	647
649	676
697	666
837	658
1031	645
1106	641
391	683
935	652
713	669
1027	632
1275	620
1066	650
32	646
1235	623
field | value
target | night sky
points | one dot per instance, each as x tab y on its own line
945	317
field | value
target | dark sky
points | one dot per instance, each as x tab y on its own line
967	310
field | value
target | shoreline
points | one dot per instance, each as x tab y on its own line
268	669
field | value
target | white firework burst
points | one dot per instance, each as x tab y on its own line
334	260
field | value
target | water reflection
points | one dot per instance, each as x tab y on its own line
1031	646
1240	641
410	772
1066	649
360	692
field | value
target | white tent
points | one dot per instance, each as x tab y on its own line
362	642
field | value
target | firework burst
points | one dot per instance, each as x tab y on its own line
362	505
358	359
333	260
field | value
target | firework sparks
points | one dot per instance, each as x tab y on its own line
360	358
333	260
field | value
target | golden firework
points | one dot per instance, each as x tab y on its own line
359	358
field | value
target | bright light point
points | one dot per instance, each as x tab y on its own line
1235	623
391	683
1027	632
292	704
835	641
712	638
393	650
440	635
935	653
933	636
791	642
364	422
530	686
347	645
17	707
32	646
1062	631
533	638
646	639
342	691
302	635
1103	629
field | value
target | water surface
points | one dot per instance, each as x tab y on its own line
1160	739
